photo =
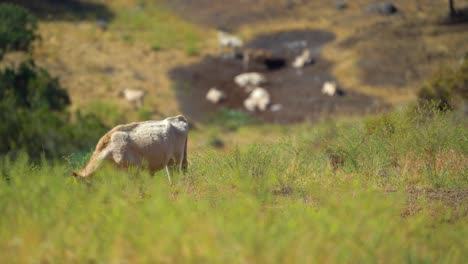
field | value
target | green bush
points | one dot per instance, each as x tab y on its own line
32	87
17	28
32	103
34	118
447	88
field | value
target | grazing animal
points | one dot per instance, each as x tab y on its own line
384	8
249	79
302	60
215	96
155	144
259	99
254	55
330	88
276	107
226	40
134	96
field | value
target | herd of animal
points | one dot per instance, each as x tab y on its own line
258	98
156	145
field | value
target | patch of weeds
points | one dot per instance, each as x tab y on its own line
447	88
232	119
192	50
78	160
127	38
106	111
382	124
156	47
145	113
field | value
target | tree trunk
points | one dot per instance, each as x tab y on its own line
453	12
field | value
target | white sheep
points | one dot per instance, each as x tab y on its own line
302	60
259	99
249	79
329	88
215	96
226	40
134	96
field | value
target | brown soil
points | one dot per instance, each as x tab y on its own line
298	93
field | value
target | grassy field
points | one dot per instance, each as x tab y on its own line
390	188
386	189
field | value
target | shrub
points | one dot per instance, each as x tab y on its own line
33	88
34	118
447	88
32	103
17	28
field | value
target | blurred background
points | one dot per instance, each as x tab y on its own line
110	62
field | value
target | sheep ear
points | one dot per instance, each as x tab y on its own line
181	118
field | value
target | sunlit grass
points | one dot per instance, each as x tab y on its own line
280	202
159	27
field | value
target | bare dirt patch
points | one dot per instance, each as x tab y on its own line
299	93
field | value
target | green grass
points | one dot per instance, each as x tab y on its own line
280	202
106	111
158	27
231	119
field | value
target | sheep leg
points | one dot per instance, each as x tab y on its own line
168	175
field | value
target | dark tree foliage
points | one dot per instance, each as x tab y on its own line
32	87
34	118
33	114
17	28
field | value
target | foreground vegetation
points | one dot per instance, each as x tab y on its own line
385	189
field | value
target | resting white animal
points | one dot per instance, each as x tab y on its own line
249	79
329	88
154	144
134	96
226	40
302	59
215	96
259	99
